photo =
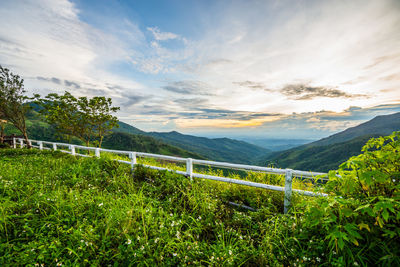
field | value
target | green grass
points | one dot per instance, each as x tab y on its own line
59	209
56	209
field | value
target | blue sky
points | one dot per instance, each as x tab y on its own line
287	69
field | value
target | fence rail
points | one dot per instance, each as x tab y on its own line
289	173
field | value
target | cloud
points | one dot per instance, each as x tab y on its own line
307	92
72	84
162	36
133	100
253	85
52	80
189	88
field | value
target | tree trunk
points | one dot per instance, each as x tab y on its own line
28	144
101	141
2	134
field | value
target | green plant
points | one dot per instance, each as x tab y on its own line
362	216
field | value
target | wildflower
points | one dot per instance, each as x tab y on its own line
59	264
156	240
355	263
129	241
318	259
175	254
230	252
142	248
199	218
101	204
178	235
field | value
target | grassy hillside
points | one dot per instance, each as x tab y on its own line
58	210
328	153
220	149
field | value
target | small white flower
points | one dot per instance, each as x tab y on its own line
175	254
129	241
230	252
156	240
101	204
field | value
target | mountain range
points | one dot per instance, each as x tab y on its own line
328	153
322	155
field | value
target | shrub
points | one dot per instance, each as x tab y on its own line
361	218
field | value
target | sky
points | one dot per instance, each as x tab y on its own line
273	69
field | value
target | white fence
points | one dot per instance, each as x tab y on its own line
289	173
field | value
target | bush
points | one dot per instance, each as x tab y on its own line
361	218
4	145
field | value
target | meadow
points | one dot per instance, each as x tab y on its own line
58	210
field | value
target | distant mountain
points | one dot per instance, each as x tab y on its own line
220	149
328	153
381	125
135	142
275	144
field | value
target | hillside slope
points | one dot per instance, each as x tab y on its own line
328	153
221	149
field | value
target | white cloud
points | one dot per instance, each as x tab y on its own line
162	36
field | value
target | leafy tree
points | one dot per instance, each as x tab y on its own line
97	112
13	101
87	119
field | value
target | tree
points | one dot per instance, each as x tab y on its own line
87	119
13	101
97	111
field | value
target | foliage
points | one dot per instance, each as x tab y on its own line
362	217
13	100
87	119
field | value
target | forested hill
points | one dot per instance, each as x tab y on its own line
221	149
328	153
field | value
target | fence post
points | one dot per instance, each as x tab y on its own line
97	152
189	168
288	190
54	146
72	150
14	143
132	156
40	145
21	143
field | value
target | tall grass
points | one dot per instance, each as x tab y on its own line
60	210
